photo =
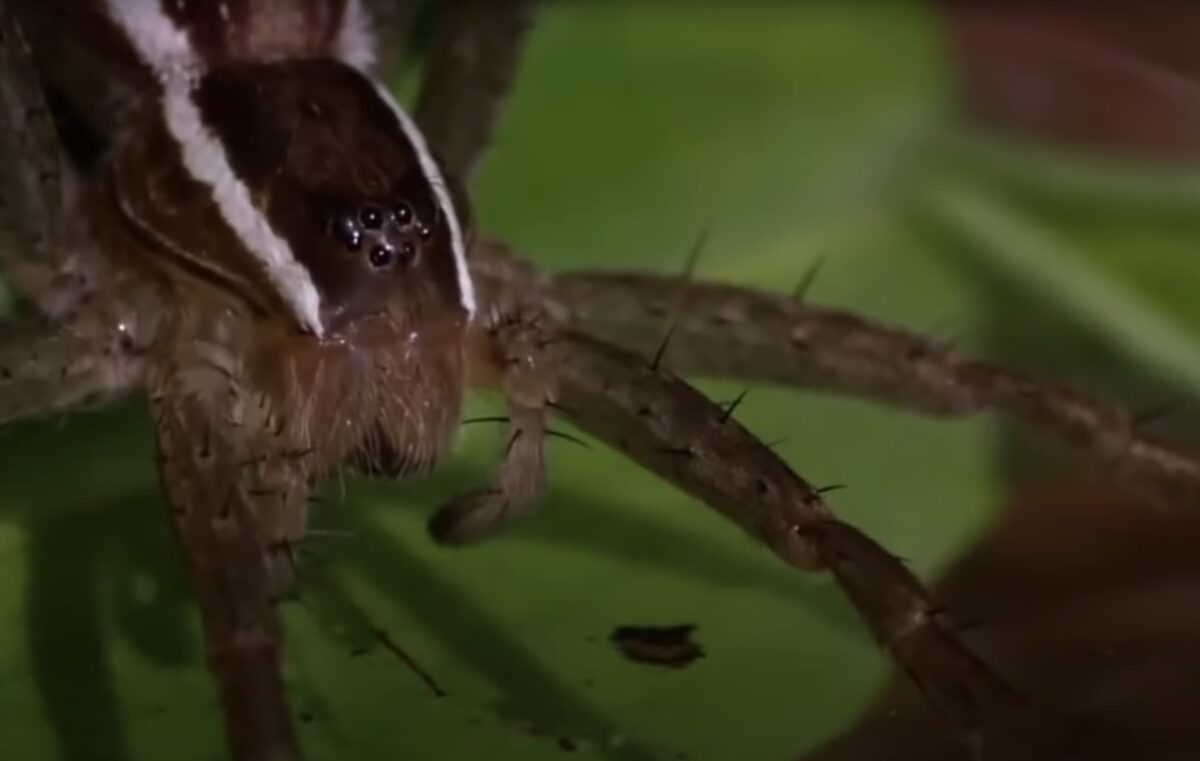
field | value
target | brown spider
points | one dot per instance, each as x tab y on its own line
217	203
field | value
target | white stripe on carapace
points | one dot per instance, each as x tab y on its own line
437	183
166	49
354	43
355	46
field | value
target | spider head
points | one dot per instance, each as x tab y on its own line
302	189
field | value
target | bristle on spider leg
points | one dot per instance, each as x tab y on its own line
485	419
800	292
661	352
693	257
731	408
552	434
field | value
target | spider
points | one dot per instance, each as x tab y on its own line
219	205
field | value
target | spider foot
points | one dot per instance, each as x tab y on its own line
472	517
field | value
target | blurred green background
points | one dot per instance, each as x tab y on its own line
787	133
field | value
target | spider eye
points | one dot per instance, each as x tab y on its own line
425	231
404	214
312	109
381	255
371	217
347	231
408	252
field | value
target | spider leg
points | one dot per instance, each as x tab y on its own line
393	22
512	355
476	51
279	485
47	368
721	330
515	487
31	177
217	506
663	424
39	238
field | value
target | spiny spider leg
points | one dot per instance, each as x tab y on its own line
659	421
80	348
278	484
37	236
722	330
217	520
31	180
513	355
472	65
48	368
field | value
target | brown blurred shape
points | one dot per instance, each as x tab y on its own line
1090	605
1119	77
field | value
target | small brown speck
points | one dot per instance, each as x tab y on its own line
669	646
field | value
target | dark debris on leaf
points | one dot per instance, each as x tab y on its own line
667	646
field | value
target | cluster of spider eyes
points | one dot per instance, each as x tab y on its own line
390	236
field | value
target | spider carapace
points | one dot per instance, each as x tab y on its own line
308	209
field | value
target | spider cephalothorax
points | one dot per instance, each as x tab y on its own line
295	208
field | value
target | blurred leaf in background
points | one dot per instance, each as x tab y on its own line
1072	202
783	132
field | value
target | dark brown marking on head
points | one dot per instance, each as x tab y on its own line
324	156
